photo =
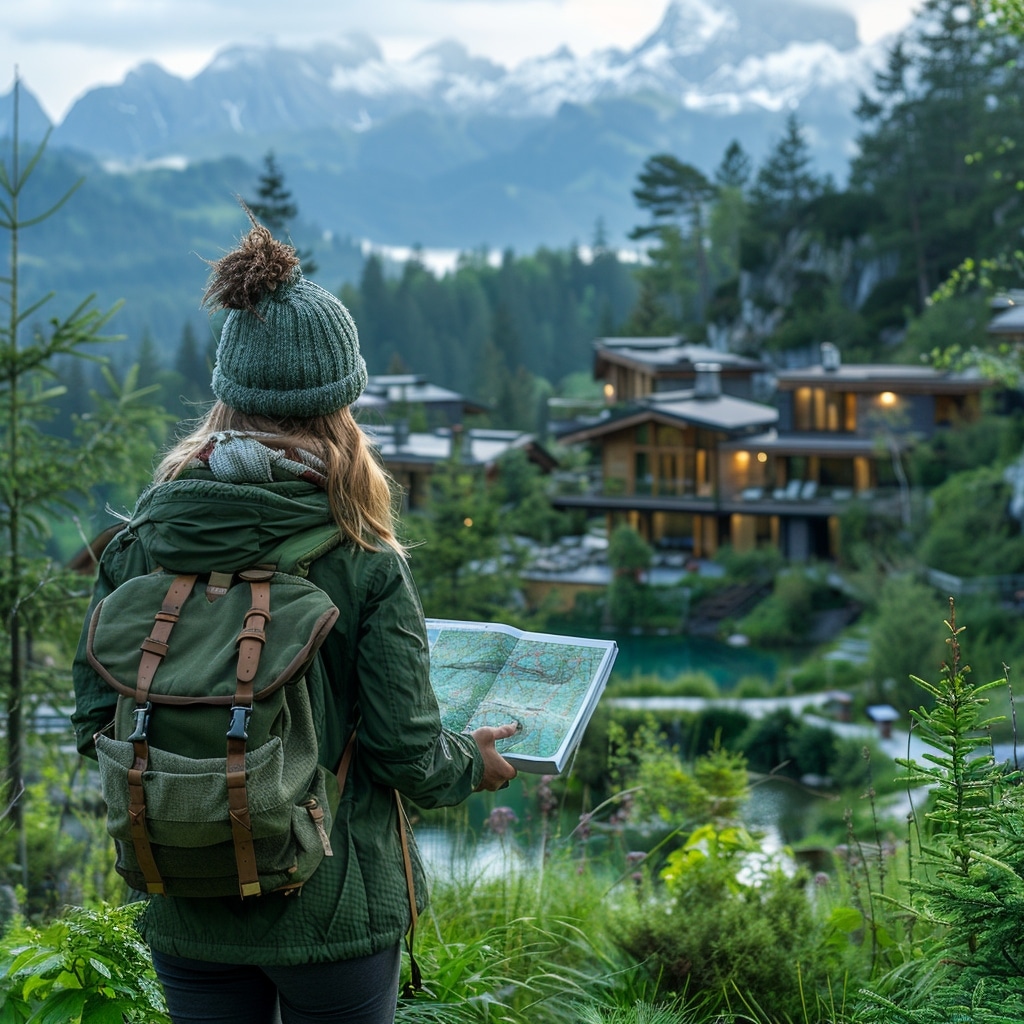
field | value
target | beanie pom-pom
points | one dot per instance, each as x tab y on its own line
258	267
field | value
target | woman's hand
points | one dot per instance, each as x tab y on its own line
497	771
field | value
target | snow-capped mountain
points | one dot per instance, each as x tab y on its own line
715	56
451	149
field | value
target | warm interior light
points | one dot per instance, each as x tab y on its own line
742	458
609	391
887	398
762	456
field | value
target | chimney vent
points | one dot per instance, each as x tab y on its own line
708	380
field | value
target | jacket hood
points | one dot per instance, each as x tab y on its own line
201	524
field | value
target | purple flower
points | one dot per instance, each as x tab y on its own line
546	799
499	820
635	857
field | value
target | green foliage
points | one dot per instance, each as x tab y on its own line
901	639
727	918
816	674
628	552
86	967
64	854
675	195
785	617
752	566
456	550
968	878
664	791
994	439
820	312
47	476
960	321
674	1012
527	946
970	531
688	684
521	490
871	538
629	555
762	942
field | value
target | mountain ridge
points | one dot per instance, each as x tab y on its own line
451	149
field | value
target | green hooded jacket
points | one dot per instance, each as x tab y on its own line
377	675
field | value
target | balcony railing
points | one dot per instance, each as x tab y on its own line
795	493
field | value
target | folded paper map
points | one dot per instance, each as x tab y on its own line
488	674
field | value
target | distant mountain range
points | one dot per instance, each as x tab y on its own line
451	150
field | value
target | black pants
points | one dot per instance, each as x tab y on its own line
359	991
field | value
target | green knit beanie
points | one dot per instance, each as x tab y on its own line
288	347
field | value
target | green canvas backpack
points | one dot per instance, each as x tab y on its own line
209	769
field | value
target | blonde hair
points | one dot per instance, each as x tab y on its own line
361	493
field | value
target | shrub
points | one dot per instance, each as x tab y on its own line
784	617
89	965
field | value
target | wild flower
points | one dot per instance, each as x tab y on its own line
547	802
500	819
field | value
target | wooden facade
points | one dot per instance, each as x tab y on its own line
694	470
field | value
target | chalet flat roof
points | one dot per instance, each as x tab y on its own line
870	377
396	388
484	446
670	353
1009	321
721	412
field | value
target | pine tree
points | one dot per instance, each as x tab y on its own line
275	208
728	214
45	477
675	195
968	877
785	183
191	364
937	149
736	167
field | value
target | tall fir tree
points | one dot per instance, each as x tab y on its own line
785	183
276	210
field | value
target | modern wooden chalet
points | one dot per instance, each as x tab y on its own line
698	467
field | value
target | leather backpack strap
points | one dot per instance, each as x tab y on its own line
250	646
415	983
345	763
154	649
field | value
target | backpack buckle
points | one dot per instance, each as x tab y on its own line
239	728
141	713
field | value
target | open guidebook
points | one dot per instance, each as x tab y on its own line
488	674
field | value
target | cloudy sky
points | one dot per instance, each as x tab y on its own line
61	48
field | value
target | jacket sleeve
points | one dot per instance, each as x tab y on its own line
401	738
94	699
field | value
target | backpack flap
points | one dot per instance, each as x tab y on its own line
202	655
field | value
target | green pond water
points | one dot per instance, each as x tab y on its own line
669	656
